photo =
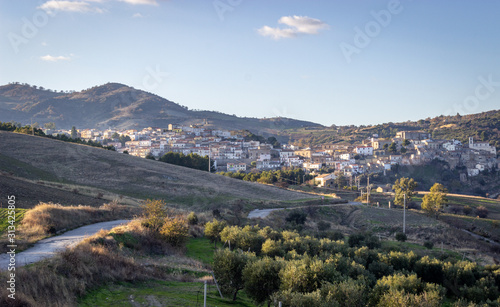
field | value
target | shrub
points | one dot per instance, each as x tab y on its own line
428	244
455	209
192	218
297	217
467	210
154	213
322	225
401	237
482	212
175	231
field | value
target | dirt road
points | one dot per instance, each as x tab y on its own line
48	247
262	213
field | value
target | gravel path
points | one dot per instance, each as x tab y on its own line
48	247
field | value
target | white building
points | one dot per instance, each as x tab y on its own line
364	150
482	146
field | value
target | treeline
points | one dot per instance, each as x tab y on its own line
39	132
290	176
297	270
191	160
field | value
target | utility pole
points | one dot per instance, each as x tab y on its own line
205	295
209	152
368	190
404	213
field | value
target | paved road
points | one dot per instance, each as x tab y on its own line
48	247
262	213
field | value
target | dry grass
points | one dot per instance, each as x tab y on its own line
47	219
123	254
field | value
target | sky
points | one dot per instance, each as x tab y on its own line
329	62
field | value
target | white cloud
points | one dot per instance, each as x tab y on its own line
296	25
139	2
50	58
137	15
53	6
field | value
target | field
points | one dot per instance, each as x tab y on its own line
84	166
159	293
4	222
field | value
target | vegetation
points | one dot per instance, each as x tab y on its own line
404	188
47	219
191	160
306	271
433	202
39	132
289	176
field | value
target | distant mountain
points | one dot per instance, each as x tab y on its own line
119	106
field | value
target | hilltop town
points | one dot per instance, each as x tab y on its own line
231	151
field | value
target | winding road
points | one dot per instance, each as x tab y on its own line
48	247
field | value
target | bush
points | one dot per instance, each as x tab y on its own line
482	212
322	225
192	218
428	244
467	210
401	237
154	213
455	209
297	217
175	231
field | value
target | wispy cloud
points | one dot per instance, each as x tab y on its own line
54	6
140	2
50	58
137	15
296	25
85	6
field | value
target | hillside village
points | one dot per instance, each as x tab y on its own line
231	152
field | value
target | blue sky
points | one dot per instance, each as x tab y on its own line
330	62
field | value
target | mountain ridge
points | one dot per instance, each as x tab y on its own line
120	106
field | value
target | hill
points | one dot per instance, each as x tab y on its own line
47	160
482	126
119	106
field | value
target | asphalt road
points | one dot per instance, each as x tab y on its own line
48	247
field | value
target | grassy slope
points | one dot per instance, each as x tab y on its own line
131	176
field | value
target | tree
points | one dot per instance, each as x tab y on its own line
262	279
393	148
434	201
115	136
406	142
74	133
228	269
150	156
404	186
154	213
213	230
467	210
